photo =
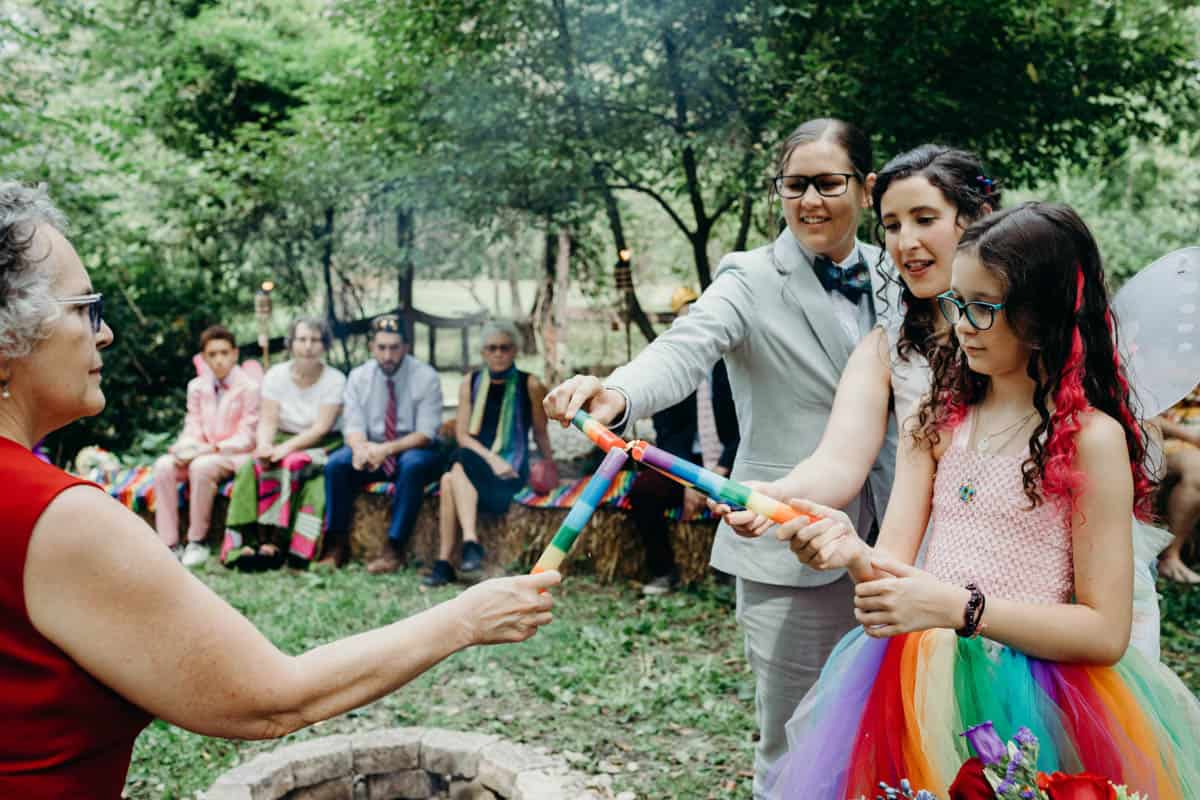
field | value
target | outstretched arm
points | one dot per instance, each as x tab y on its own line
113	599
835	472
669	368
832	542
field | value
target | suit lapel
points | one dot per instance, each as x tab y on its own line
802	289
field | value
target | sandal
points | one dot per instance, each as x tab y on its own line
270	557
247	561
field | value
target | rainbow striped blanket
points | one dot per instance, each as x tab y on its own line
134	488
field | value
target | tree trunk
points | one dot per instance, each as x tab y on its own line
613	210
542	312
520	319
562	283
747	215
404	278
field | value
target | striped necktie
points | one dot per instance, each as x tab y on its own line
389	427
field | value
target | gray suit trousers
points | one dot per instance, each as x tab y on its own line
789	632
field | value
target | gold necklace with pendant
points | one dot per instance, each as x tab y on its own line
966	490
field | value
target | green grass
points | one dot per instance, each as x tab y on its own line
654	693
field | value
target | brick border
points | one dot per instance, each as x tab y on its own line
408	763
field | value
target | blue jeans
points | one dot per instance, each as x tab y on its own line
414	469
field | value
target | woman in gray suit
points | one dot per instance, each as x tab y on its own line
785	317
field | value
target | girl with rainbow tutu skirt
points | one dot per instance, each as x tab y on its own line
1024	461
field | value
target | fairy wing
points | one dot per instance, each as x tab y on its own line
1158	319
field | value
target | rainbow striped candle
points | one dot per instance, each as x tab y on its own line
719	488
601	436
583	508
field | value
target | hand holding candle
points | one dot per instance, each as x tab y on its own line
717	487
581	511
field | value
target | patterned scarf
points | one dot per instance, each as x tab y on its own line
511	441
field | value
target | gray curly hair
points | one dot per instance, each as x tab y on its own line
27	306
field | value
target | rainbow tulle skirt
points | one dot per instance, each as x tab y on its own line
887	709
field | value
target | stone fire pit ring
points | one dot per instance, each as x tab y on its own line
404	764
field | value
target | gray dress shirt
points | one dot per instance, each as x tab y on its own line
418	400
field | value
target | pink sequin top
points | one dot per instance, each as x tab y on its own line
983	530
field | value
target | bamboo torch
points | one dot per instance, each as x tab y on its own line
262	314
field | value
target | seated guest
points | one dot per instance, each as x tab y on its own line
218	435
297	430
498	407
702	428
392	408
1181	431
101	631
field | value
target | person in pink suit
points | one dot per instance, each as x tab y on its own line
217	438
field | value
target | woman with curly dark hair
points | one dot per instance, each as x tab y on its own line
1024	465
923	199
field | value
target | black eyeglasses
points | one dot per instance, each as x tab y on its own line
497	348
827	184
94	303
981	315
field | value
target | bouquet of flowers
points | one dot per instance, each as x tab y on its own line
1004	770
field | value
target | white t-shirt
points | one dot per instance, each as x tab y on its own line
298	407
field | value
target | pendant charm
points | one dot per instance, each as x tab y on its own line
984	444
966	492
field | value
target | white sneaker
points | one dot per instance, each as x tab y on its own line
658	586
195	554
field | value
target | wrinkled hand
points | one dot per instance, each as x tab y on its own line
358	456
508	609
747	523
906	599
279	452
500	467
376	454
693	502
586	392
187	452
829	543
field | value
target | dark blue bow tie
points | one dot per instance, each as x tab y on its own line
853	282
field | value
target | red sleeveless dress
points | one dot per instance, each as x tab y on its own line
62	733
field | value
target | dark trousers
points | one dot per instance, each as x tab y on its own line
414	469
650	496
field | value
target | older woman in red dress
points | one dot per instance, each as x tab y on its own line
100	628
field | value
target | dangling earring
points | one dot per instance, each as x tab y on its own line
4	393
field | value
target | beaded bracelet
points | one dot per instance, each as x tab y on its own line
973	613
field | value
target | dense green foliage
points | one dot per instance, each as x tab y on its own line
204	146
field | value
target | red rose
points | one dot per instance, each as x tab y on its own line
1076	787
970	783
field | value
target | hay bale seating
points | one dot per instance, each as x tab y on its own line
608	548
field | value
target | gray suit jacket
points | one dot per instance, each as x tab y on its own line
767	315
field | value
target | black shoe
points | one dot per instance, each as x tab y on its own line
441	574
472	557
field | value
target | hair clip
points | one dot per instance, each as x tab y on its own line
989	185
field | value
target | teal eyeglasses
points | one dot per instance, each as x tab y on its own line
981	315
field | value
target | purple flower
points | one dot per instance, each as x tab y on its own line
1025	737
986	743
